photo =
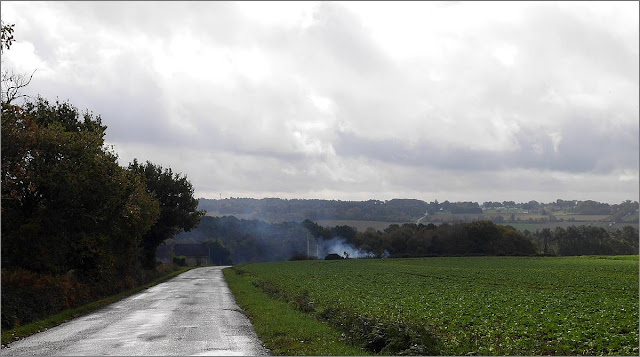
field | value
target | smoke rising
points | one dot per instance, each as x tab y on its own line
340	246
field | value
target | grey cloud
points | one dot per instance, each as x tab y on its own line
338	36
566	36
159	20
582	148
393	129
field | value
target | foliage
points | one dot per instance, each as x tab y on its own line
177	206
6	36
475	238
586	240
250	240
458	306
411	210
302	256
12	82
75	225
180	261
279	210
27	296
66	203
256	241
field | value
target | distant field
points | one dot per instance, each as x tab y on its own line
521	216
583	217
361	226
532	227
456	306
247	216
521	226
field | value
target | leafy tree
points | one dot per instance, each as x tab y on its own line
66	203
12	83
629	235
546	239
316	230
483	235
345	232
178	208
592	207
6	36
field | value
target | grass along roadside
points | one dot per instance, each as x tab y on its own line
283	329
17	333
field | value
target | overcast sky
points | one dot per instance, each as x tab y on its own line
459	101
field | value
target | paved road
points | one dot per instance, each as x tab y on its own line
191	314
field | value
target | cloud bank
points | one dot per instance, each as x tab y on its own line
457	101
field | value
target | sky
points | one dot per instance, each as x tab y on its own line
458	101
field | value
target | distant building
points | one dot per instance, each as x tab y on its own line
194	253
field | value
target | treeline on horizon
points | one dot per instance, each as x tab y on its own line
236	241
400	210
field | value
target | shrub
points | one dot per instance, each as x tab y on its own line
28	296
333	256
302	256
180	261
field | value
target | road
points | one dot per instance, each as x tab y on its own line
192	314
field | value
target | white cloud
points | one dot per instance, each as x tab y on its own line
506	54
556	139
290	14
353	100
23	58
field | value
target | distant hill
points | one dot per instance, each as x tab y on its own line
276	210
282	210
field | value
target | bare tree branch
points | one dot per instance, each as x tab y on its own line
12	84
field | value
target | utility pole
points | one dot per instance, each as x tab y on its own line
307	244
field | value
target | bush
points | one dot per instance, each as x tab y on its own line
28	296
180	261
302	256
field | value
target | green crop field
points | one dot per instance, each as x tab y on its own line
477	305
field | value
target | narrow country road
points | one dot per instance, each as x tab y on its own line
192	314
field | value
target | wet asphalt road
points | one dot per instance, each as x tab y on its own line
193	314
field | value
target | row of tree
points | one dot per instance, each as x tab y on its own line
75	224
585	240
247	240
587	207
419	240
280	210
68	205
69	208
257	241
453	207
398	210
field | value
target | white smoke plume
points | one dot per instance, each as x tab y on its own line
340	246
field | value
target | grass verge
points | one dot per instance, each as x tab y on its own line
283	329
17	333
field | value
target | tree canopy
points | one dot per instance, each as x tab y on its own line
66	203
178	208
76	226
